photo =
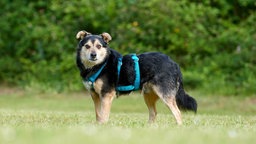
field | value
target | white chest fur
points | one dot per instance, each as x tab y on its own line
87	85
97	85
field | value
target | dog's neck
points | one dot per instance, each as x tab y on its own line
89	71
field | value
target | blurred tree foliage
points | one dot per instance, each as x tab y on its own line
213	41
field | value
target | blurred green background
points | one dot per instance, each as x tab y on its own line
214	41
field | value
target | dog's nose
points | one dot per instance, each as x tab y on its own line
93	55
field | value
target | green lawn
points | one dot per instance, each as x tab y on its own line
69	118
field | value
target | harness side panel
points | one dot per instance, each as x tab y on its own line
127	72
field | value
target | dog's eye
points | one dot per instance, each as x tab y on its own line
87	46
98	46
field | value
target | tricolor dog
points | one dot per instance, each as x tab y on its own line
106	74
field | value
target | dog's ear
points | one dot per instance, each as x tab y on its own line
81	34
106	37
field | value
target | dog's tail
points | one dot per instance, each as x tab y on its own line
183	100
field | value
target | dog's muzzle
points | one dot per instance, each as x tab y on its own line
93	56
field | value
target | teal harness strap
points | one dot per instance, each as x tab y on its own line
137	72
136	84
93	77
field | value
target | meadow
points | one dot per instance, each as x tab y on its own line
214	42
30	117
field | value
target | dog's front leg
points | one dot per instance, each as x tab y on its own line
97	105
106	102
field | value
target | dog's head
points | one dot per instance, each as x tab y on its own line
92	49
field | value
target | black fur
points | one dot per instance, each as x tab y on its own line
159	69
155	68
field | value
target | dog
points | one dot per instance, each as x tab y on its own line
104	71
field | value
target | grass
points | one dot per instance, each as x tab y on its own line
69	118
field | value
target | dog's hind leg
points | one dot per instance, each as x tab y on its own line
170	102
150	99
172	105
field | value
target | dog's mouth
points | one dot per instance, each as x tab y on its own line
93	59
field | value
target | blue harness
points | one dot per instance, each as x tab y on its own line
93	77
136	84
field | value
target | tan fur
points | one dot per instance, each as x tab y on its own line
171	103
150	99
151	94
102	103
97	105
106	103
82	34
106	37
86	52
98	85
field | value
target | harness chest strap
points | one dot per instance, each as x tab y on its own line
136	84
93	77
